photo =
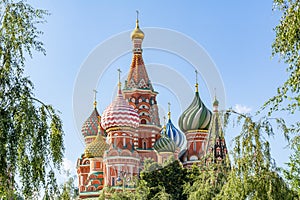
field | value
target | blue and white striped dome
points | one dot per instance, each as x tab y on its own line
176	135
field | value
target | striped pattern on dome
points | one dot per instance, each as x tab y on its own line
119	113
195	117
96	148
165	144
90	126
176	135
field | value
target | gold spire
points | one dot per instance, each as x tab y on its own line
137	33
196	85
95	101
119	83
164	123
169	110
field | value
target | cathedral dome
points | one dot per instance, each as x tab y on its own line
96	148
137	33
165	144
119	113
90	126
196	116
176	135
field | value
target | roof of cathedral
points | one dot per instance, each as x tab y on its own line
90	126
216	102
138	76
196	116
165	144
119	114
97	147
137	33
174	134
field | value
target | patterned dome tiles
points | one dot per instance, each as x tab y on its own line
90	126
119	114
97	147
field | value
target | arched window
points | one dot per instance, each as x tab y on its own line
144	145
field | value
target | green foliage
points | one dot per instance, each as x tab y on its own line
292	174
68	189
31	134
253	174
207	183
287	46
171	177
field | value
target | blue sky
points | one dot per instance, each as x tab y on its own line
237	35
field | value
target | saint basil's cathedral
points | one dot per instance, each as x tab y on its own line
129	131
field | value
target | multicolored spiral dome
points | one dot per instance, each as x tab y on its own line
195	117
165	144
119	114
90	126
176	135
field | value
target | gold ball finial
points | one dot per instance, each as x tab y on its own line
119	83
196	85
169	110
137	33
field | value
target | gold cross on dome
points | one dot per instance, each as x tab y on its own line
119	71
95	97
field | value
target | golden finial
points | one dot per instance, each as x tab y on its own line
137	17
196	85
99	125
164	122
169	110
215	102
137	33
119	84
95	96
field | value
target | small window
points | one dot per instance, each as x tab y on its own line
113	181
144	145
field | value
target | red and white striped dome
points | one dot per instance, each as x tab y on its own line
119	113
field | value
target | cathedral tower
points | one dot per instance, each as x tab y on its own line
138	91
194	122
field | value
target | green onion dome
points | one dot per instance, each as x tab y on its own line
165	144
196	116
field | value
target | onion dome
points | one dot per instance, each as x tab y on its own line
137	33
119	114
165	144
216	102
176	135
196	116
90	126
97	147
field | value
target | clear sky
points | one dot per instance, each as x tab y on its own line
237	35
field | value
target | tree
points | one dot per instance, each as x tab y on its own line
253	173
68	189
31	134
287	47
207	183
171	177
